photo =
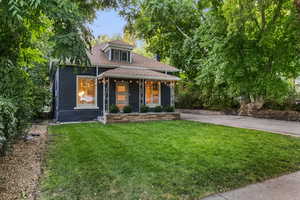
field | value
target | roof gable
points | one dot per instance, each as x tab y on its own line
119	44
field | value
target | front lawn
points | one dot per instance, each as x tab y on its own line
160	160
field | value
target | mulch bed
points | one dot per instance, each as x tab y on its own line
21	169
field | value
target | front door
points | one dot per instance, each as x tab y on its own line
122	95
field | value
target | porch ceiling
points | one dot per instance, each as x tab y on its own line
133	73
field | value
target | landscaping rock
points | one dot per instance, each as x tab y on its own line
21	169
139	117
277	114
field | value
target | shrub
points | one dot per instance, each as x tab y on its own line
169	109
144	109
127	109
8	125
193	95
275	105
158	109
114	109
296	107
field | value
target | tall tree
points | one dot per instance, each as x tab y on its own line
262	51
231	48
165	25
32	32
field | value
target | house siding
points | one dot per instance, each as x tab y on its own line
65	98
133	93
67	95
100	98
112	92
134	96
165	95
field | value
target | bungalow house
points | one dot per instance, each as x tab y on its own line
118	77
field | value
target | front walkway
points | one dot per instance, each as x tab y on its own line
275	126
283	188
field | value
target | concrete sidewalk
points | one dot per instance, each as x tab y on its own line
283	188
270	125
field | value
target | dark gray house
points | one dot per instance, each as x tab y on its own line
117	77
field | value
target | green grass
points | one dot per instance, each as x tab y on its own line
160	160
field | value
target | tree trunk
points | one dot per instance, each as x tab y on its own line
248	108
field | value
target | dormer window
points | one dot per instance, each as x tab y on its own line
120	55
118	51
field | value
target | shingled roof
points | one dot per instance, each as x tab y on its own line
98	58
137	74
119	42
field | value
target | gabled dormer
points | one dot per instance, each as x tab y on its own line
118	51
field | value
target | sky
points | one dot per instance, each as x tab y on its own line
107	22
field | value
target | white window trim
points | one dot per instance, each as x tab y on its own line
151	105
127	86
128	55
82	106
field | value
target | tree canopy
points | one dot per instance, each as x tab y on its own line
230	49
33	32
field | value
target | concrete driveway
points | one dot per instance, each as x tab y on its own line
275	126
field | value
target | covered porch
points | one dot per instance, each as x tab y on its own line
137	88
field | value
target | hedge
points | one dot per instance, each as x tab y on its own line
8	124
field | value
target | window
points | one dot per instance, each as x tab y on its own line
115	54
124	56
120	55
86	92
152	93
121	95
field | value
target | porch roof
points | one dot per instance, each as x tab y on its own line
135	73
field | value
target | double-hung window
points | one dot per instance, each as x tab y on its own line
86	93
152	96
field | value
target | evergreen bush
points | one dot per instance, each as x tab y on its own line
8	125
158	109
127	109
114	109
144	109
169	109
